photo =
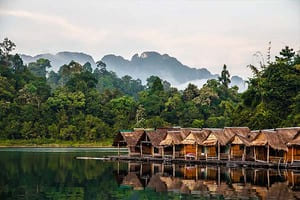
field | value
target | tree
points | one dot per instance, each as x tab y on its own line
225	77
39	68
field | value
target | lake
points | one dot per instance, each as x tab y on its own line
54	173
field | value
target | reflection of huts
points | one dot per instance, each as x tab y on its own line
216	144
157	184
172	144
132	180
268	146
292	138
173	184
129	139
193	147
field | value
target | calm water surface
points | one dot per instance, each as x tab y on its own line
49	173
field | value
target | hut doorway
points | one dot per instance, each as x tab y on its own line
261	153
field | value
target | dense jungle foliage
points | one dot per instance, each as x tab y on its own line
81	104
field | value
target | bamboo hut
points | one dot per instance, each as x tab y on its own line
216	144
291	138
155	137
238	147
268	146
293	154
238	141
119	141
131	140
172	146
193	144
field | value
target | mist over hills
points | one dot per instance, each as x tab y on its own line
140	67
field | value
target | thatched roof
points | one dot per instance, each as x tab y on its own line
174	137
132	138
295	141
288	134
119	139
269	137
240	140
231	131
132	180
252	135
216	135
196	137
156	137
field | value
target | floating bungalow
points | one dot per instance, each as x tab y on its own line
193	147
172	146
268	146
211	145
131	140
293	154
216	145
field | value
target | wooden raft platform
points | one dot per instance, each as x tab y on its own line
227	163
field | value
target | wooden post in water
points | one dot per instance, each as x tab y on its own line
254	154
292	155
184	151
173	166
196	151
173	151
229	155
268	153
218	150
244	154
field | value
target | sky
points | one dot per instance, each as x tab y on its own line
199	33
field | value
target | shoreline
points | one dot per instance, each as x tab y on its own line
46	143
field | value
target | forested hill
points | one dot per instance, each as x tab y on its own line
79	103
140	67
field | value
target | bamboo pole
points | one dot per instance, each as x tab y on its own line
229	155
173	151
184	151
141	149
162	152
292	154
268	154
218	151
254	154
118	149
196	151
244	154
173	166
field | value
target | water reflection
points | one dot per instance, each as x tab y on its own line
204	181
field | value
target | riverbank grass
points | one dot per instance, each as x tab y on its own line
54	143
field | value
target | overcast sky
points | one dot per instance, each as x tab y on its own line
198	33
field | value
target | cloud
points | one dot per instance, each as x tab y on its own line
67	28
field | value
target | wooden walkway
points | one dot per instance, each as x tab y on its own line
227	163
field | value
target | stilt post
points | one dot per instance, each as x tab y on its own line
173	151
268	153
218	151
292	154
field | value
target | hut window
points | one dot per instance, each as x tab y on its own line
241	147
224	149
156	150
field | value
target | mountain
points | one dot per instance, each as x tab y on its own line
153	63
60	58
141	66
